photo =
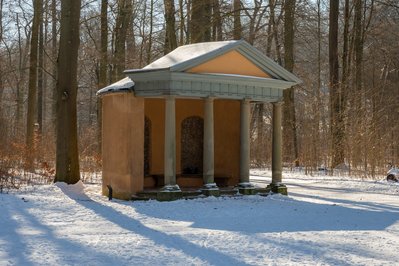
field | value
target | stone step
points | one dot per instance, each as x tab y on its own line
195	193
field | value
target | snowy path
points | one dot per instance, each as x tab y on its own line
324	221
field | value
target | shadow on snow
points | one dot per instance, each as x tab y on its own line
21	246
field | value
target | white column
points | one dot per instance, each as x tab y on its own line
170	142
244	142
276	144
208	159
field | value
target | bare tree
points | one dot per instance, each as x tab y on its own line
150	35
255	18
23	50
170	33
217	34
200	26
317	103
237	30
33	57
102	75
40	75
67	158
1	65
125	9
54	53
336	116
357	127
289	118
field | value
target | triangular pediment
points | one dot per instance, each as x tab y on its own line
226	70
230	63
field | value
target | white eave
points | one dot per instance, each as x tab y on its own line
125	84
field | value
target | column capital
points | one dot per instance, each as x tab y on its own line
209	99
246	100
170	97
278	103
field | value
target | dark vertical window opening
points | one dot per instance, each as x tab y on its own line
147	145
192	137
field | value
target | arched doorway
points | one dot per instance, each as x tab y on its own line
192	137
147	145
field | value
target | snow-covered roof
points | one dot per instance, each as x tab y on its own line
170	75
121	85
191	55
188	52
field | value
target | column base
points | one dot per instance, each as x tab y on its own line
210	189
278	188
246	188
169	193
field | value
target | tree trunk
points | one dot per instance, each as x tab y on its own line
358	47
345	70
337	130
181	26
1	67
200	25
54	58
276	37
317	105
102	77
40	77
237	31
207	24
149	44
21	66
32	89
125	10
131	53
217	22
197	14
289	121
170	34
358	91
188	24
67	159
270	28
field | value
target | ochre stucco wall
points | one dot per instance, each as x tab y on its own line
230	63
123	140
227	139
226	133
123	144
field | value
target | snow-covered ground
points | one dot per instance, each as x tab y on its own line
323	221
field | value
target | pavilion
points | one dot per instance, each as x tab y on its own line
184	121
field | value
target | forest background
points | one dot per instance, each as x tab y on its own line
345	114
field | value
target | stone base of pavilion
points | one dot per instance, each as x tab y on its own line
246	188
278	188
210	189
194	193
